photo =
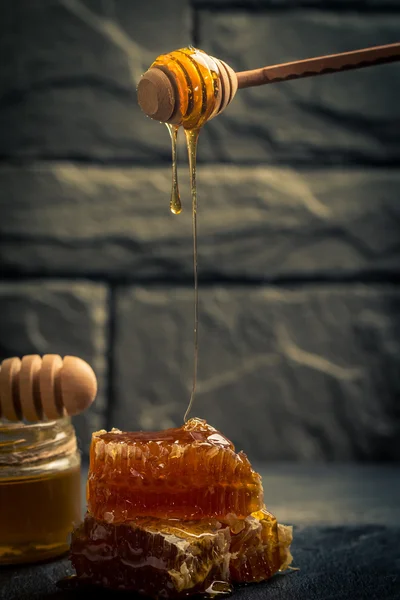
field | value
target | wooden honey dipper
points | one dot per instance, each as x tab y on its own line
36	388
187	87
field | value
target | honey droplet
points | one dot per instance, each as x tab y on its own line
175	205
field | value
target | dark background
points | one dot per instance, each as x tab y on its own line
299	222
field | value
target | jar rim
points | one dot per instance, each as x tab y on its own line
6	426
22	444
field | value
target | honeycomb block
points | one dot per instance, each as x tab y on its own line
175	513
188	473
155	558
171	558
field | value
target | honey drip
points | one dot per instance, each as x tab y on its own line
198	87
197	77
175	202
192	135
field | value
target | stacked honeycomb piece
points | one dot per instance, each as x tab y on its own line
174	513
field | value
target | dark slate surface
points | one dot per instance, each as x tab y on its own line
254	223
339	558
304	374
347	117
339	563
58	318
68	86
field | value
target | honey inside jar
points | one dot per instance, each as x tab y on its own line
39	490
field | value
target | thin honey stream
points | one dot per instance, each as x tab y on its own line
192	135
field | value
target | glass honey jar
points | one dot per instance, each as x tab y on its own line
40	499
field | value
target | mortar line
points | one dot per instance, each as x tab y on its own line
368	278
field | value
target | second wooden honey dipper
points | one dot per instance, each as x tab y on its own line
36	388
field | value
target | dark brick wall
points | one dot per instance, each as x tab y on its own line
299	222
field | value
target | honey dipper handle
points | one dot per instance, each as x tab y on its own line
321	65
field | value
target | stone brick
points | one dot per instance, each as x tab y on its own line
58	318
253	223
342	118
68	86
303	374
